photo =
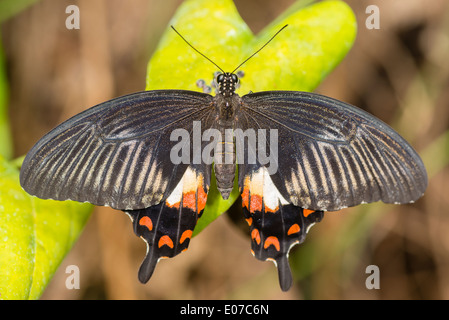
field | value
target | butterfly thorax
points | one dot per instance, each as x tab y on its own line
227	103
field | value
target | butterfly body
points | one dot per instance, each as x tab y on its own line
227	104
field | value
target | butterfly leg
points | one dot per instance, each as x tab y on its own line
202	84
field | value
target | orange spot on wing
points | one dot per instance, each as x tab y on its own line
256	203
202	199
245	198
272	241
165	241
146	221
185	235
306	212
255	235
249	221
293	229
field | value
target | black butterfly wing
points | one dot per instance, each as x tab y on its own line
328	155
332	155
116	153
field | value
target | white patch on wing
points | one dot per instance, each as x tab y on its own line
262	184
188	182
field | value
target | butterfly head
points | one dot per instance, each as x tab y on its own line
226	83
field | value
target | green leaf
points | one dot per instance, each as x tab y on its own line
317	38
5	133
35	235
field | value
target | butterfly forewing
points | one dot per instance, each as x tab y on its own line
332	155
116	153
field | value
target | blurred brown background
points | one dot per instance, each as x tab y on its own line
398	73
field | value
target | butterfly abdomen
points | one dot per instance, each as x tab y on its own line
225	162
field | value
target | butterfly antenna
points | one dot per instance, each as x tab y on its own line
197	49
260	48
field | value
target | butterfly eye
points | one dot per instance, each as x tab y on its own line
234	78
220	78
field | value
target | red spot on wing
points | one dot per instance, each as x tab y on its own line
202	199
245	198
189	200
272	241
293	229
255	203
165	241
146	221
185	235
194	197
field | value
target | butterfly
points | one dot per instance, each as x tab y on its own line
123	153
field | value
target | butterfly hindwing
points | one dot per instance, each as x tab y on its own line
333	155
275	225
168	226
116	153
